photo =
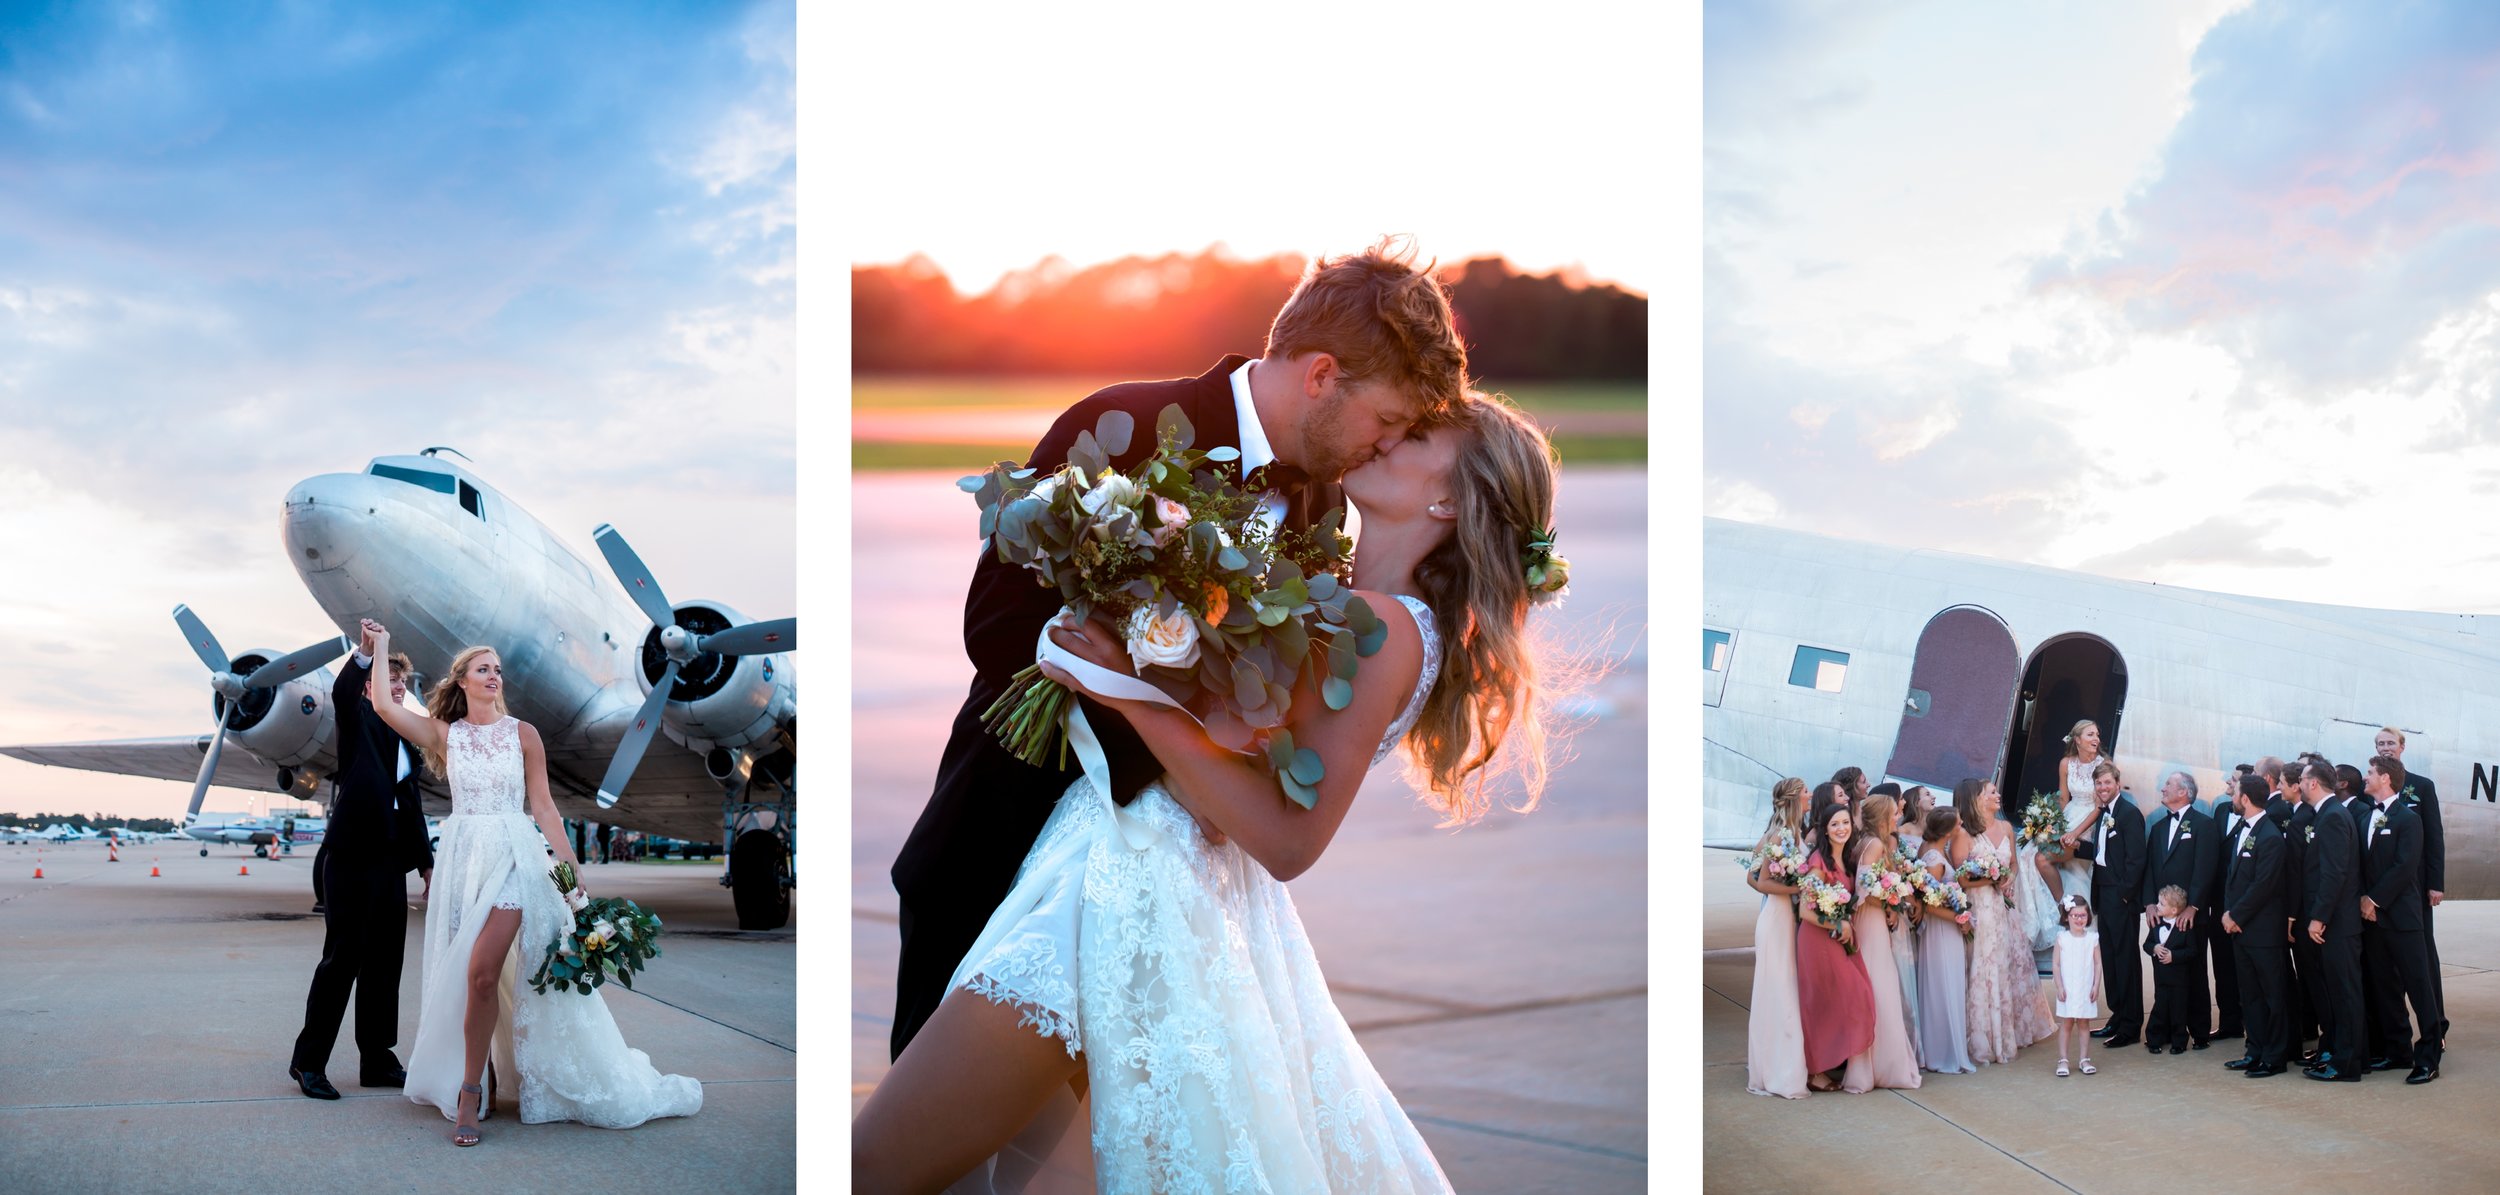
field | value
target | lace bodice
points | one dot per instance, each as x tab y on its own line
485	766
1424	680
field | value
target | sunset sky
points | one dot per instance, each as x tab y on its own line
2200	293
1301	128
240	250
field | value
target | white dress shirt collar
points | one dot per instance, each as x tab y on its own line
1255	450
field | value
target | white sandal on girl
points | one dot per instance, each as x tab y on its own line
2086	1067
2061	1068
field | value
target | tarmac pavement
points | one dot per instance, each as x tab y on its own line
1496	975
146	1022
2145	1123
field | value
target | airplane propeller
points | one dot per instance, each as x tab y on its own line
679	645
234	688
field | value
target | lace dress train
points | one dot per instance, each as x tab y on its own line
561	1050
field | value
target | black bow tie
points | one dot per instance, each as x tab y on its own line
1287	480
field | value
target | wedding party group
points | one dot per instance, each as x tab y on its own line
1093	900
2292	912
494	913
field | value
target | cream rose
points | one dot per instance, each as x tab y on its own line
1171	641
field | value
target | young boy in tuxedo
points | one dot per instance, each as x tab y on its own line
2176	961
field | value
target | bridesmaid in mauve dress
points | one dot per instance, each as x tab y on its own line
1893	1062
1775	1038
1943	961
1833	993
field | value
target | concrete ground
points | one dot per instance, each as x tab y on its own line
2144	1123
1497	975
145	1025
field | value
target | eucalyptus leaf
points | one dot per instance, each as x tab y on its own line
1308	767
1228	731
1337	692
1369	642
1271	615
971	484
1174	424
1280	750
1323	586
1114	430
1223	455
1298	793
1231	560
1249	687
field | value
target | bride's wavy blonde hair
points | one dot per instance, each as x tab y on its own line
447	703
1502	481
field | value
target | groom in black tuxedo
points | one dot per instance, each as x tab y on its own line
1364	348
2116	849
375	838
2400	968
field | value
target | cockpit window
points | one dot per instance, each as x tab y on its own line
440	483
470	502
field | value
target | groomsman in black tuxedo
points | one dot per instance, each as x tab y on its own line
2115	846
2182	852
2219	946
2391	939
2293	816
2417	791
2330	921
2253	914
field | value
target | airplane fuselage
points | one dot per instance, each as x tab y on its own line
1930	667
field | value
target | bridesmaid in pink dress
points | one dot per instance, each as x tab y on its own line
1893	1061
1775	1039
1833	993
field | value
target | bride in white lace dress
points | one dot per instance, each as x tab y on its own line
1169	975
491	914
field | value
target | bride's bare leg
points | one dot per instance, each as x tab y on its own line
967	1083
494	940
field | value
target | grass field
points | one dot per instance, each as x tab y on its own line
1591	422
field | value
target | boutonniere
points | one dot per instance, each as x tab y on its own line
2309	833
2378	822
2184	835
2410	799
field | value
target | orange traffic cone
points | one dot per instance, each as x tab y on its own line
247	870
112	851
38	868
153	873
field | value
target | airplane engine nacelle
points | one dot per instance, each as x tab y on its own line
291	725
720	701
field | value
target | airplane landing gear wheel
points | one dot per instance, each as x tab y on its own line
759	872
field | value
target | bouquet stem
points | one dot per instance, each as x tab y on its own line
1026	718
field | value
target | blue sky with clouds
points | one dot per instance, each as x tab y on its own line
2204	293
244	244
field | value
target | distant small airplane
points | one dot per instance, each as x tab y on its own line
427	548
1930	667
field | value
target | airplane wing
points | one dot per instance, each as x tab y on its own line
171	758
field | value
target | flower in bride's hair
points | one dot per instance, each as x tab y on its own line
1170	640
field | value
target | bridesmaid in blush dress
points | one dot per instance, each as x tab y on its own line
1943	959
1775	1039
1833	992
1893	1062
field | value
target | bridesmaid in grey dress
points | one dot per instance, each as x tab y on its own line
1943	963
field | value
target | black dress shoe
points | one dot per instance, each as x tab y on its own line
2177	1048
2152	1047
2228	1034
2331	1074
2239	1064
2263	1071
2120	1042
2422	1074
2203	1045
394	1077
2103	1031
313	1082
2312	1058
2388	1064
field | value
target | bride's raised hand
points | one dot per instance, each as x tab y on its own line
1096	642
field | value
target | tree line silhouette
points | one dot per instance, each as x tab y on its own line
1173	315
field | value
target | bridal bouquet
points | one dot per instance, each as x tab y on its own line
2044	824
610	939
1780	860
1826	904
1218	607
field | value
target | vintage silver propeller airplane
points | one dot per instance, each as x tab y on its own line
1820	653
425	547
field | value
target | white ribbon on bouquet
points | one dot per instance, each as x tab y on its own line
1102	682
